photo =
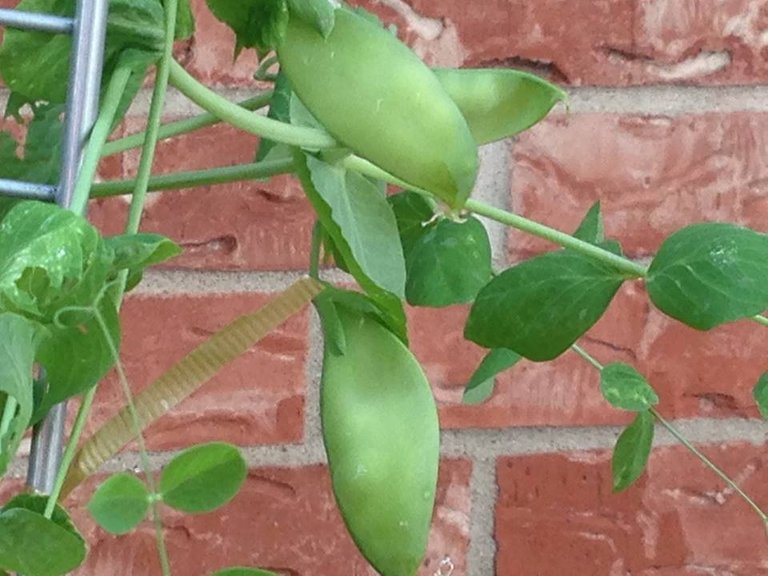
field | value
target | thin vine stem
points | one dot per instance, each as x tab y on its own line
685	442
314	253
143	455
155	116
245	120
179	127
99	134
9	411
209	177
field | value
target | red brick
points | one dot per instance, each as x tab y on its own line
257	399
556	514
244	225
653	176
696	374
283	520
603	42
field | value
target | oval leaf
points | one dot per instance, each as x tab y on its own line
624	387
541	307
203	477
447	263
709	274
630	455
760	393
22	532
120	503
481	384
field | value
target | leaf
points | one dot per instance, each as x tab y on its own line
257	24
243	572
42	148
120	503
624	387
318	13
23	531
630	455
710	274
480	386
760	393
279	109
18	344
38	503
448	263
44	252
136	252
592	228
203	478
366	222
413	211
541	307
187	376
499	103
185	21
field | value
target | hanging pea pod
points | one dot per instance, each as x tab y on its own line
382	439
499	103
375	96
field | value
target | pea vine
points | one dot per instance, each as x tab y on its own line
62	282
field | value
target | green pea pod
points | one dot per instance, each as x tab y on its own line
499	103
382	439
376	97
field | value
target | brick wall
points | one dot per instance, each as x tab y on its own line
668	126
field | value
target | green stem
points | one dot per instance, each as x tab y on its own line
760	319
71	450
624	265
99	134
180	127
245	120
680	438
262	72
208	177
143	455
9	411
711	465
314	254
153	123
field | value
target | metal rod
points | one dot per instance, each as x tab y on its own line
82	107
27	190
35	21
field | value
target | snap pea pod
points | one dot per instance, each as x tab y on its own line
376	97
499	103
382	439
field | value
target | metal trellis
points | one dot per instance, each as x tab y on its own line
88	29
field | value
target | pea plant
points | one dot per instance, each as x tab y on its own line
386	150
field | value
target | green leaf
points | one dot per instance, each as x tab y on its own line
18	344
630	455
760	393
279	109
77	356
366	222
624	387
120	503
413	211
317	13
243	572
257	24
480	386
23	531
541	307
592	228
499	103
710	274
448	263
203	477
185	21
42	148
136	252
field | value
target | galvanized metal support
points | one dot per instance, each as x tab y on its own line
89	30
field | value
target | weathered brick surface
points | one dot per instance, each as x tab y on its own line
556	515
257	399
251	225
652	176
284	520
696	374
